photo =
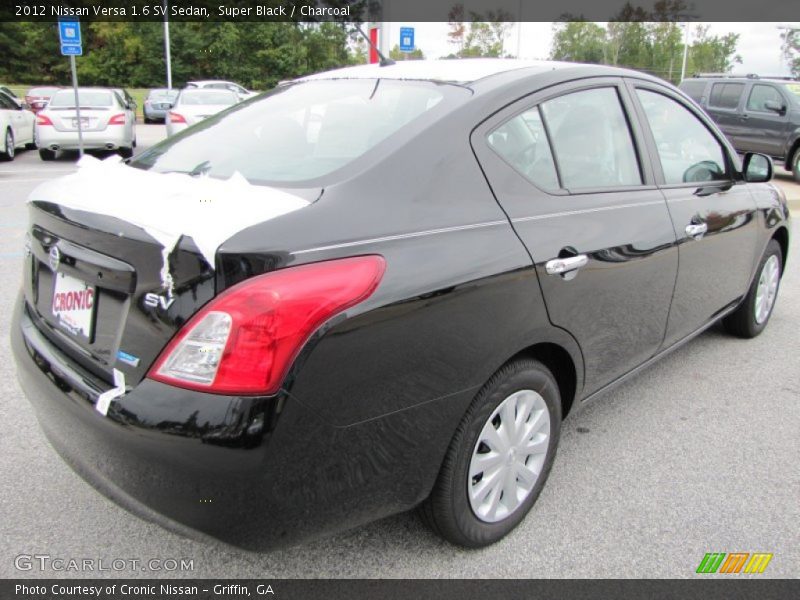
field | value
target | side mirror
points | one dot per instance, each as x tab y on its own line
775	107
756	168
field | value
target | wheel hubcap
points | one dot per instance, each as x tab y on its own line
508	456
767	289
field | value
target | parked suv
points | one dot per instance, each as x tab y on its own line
757	114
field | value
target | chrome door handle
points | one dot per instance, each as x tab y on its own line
559	266
696	231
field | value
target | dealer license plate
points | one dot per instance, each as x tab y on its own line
73	305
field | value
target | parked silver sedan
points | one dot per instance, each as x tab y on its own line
193	105
107	123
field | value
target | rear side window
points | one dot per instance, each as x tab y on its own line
694	89
687	150
522	143
591	140
725	95
760	95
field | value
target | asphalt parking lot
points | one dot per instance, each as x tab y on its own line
697	454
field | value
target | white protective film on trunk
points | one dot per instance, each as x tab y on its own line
168	205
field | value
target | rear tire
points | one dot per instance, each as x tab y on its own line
125	152
752	315
481	452
9	146
46	154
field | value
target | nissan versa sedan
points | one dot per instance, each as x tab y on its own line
108	122
382	288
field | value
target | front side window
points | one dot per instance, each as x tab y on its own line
725	95
591	140
522	143
688	151
760	95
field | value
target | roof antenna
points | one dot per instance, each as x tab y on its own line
385	62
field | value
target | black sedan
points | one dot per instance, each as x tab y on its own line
382	288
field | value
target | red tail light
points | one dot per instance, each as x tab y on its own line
176	118
117	119
43	120
245	340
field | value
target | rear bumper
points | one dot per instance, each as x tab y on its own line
254	472
173	128
109	139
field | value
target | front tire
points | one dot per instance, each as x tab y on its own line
796	165
499	458
9	146
754	312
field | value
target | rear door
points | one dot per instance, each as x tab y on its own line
565	166
765	130
713	213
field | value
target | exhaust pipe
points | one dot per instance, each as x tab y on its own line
54	147
110	146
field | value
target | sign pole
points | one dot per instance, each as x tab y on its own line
77	103
69	34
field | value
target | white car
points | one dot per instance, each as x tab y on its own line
217	84
193	105
107	123
16	126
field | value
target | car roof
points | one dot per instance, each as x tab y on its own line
741	79
205	91
206	81
462	70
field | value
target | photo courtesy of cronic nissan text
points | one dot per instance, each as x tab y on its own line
316	299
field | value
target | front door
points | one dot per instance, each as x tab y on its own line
763	129
714	215
565	167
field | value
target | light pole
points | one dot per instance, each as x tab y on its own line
166	46
685	50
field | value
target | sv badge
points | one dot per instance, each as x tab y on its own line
152	300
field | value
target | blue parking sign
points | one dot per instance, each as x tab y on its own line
406	39
69	32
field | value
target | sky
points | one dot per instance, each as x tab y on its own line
759	43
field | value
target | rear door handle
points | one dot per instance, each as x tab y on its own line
696	231
560	266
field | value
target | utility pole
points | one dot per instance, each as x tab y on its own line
166	45
685	50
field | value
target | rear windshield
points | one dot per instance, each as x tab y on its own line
42	91
200	97
66	98
165	93
300	132
693	89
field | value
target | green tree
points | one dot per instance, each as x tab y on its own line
791	49
396	55
712	54
578	41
